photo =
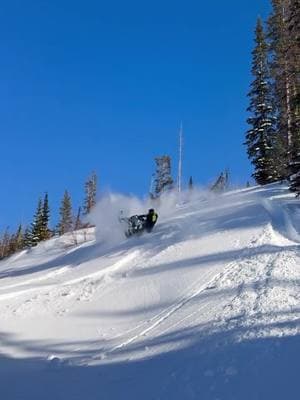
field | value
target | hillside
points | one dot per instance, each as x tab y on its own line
207	306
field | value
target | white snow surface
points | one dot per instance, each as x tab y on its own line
207	306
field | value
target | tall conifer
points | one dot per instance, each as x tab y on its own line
66	217
78	223
5	244
163	178
90	193
279	41
293	57
17	240
37	225
260	138
45	231
28	242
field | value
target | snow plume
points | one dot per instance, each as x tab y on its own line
108	209
172	200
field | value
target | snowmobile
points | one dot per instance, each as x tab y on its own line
134	225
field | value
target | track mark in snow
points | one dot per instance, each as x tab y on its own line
61	297
158	319
262	297
108	270
88	278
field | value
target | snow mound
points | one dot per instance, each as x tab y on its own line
207	306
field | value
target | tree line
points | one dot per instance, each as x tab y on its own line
39	229
273	137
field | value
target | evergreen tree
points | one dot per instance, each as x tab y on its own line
5	244
17	240
163	178
37	225
28	238
78	223
191	184
295	174
66	217
45	231
293	55
90	193
12	246
260	138
279	39
220	184
20	238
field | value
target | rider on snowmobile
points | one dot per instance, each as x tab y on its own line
136	224
150	219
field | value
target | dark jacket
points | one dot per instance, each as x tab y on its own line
150	220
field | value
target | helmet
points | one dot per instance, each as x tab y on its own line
151	210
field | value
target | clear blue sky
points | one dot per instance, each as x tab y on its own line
103	85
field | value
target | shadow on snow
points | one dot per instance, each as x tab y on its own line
203	364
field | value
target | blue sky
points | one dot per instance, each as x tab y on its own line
103	86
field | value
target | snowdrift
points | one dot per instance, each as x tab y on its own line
207	306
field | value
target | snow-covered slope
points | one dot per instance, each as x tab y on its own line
205	307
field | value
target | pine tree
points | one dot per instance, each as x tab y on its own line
45	231
12	245
20	238
5	244
37	225
78	223
28	238
90	193
163	178
17	240
191	184
260	138
66	217
279	39
220	184
293	56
